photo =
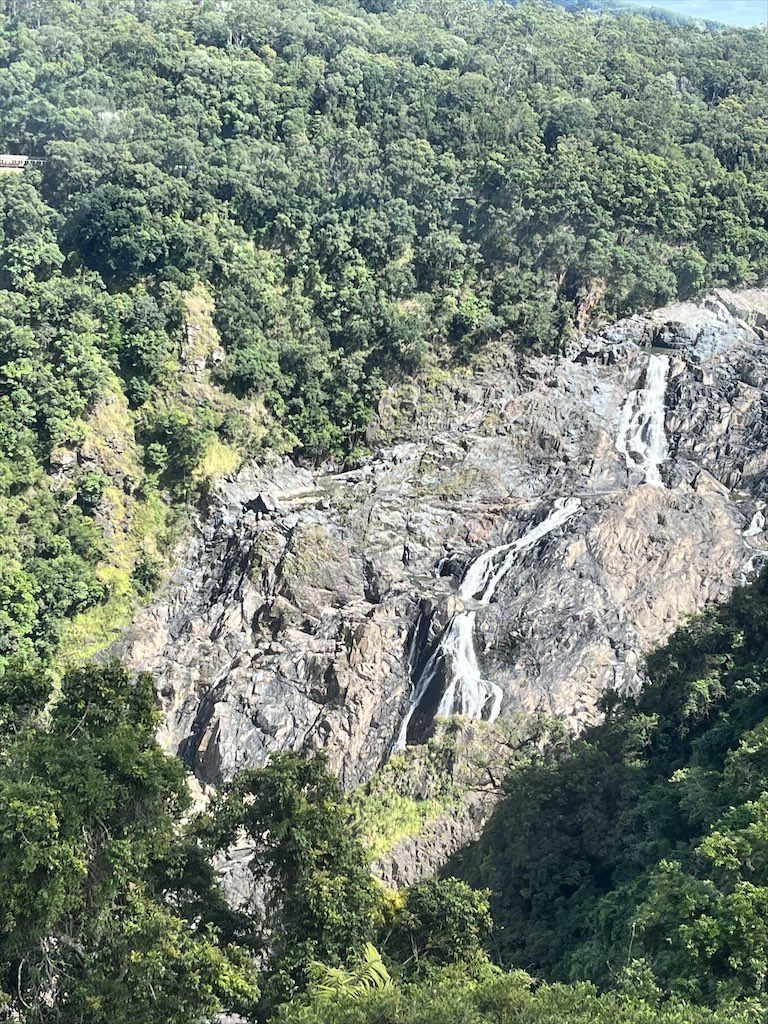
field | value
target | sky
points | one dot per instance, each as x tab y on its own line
731	12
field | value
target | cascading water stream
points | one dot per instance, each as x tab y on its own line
756	526
756	554
467	692
641	438
642	441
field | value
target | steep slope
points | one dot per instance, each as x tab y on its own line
645	839
243	222
321	609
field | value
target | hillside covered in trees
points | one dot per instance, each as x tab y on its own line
645	839
340	194
251	218
633	859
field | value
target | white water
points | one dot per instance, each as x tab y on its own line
467	692
641	438
422	685
757	555
643	443
756	526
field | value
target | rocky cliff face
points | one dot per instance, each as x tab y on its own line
313	606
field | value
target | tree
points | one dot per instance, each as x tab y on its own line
321	901
88	817
441	921
646	837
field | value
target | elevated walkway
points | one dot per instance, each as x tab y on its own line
16	162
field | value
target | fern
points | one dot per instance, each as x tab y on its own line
330	983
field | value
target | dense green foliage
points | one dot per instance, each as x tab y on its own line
647	838
58	334
53	329
635	857
321	896
251	217
104	916
361	188
322	905
457	996
109	912
364	187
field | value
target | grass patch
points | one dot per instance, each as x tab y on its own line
85	635
382	819
141	527
220	459
411	790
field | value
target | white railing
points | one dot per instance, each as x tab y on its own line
18	162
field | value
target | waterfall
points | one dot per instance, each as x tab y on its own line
756	526
643	443
467	693
641	438
417	696
757	555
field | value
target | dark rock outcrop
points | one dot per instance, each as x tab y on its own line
301	612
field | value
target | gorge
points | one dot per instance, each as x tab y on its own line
524	534
642	442
384	548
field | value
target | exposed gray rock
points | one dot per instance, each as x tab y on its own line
416	858
304	609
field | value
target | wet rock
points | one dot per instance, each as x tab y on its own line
299	614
